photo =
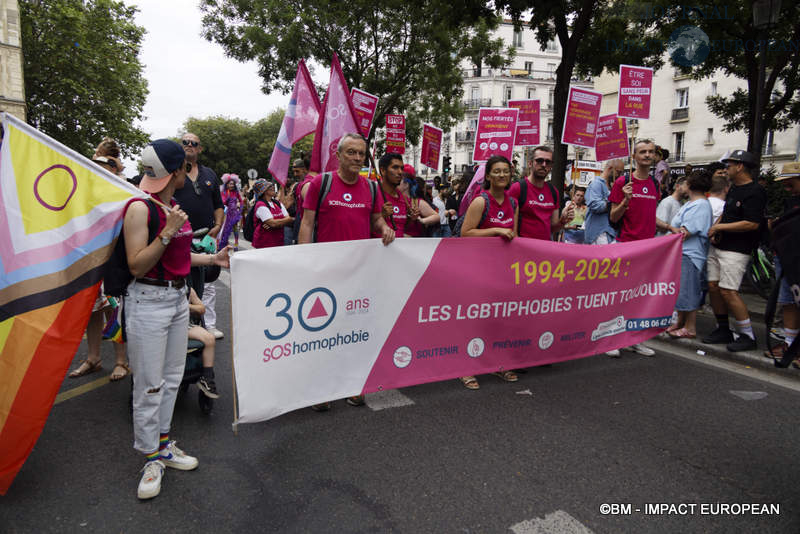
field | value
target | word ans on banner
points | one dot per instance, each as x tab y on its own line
635	89
527	123
580	121
335	328
612	138
396	134
431	146
364	105
497	128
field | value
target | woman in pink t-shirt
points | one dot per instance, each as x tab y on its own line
270	216
501	220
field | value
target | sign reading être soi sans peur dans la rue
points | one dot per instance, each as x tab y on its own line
497	128
580	121
635	89
396	134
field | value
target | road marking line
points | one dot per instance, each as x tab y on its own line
559	522
80	390
382	400
749	395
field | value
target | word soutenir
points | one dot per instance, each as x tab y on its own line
521	308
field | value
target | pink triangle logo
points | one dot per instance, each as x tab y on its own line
317	310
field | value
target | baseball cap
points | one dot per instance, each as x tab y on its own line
160	158
741	156
105	159
789	170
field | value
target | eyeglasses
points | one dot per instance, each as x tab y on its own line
186	142
543	161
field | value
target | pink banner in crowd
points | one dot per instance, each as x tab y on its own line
396	134
431	146
365	105
580	121
336	119
527	123
612	138
497	128
528	302
635	90
300	120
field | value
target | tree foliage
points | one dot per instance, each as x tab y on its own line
236	145
406	53
83	77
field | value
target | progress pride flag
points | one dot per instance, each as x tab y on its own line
635	88
612	138
580	122
530	302
396	134
497	128
364	105
431	146
527	122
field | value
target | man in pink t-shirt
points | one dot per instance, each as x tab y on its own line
539	214
393	202
634	201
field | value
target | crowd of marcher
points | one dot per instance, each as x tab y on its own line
719	213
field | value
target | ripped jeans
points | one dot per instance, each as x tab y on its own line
156	322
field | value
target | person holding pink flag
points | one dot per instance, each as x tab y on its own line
492	213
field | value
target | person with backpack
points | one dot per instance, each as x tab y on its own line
269	216
156	310
395	204
344	206
540	215
634	200
597	228
492	213
733	238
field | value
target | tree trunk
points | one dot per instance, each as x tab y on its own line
563	77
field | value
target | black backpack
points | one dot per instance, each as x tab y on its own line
249	227
484	215
785	235
116	274
325	188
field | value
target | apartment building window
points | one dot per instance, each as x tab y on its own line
551	69
679	154
475	93
713	88
529	66
551	98
769	143
506	94
550	131
682	98
552	46
710	136
518	39
531	93
473	124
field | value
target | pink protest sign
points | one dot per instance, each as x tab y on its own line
635	89
396	134
431	146
527	123
580	121
497	128
364	105
612	138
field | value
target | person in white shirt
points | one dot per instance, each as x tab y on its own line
719	189
669	206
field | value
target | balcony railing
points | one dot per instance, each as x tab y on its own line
465	137
475	103
517	73
680	114
681	156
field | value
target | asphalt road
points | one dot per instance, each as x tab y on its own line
542	455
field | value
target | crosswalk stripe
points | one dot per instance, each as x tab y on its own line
559	522
382	400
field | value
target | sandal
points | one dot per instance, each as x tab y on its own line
681	333
470	382
358	400
86	368
508	376
672	328
115	376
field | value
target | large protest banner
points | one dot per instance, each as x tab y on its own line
527	122
497	128
364	105
339	319
635	90
431	146
580	121
612	138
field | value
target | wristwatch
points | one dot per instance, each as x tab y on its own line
165	239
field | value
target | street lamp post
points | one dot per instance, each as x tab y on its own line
765	16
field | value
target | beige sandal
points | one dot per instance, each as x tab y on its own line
470	382
115	376
86	368
508	376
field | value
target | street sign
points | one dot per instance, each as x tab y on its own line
252	174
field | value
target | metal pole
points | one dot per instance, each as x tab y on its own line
757	119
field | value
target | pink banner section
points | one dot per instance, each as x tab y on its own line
497	128
612	138
364	105
396	134
431	146
527	122
485	305
580	122
635	90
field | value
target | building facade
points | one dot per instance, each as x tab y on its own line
12	82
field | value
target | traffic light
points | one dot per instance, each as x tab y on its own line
446	164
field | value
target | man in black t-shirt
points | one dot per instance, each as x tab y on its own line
733	239
201	200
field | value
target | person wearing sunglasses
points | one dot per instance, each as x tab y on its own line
539	203
200	198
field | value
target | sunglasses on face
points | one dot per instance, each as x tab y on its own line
186	142
543	161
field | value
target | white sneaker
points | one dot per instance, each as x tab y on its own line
641	348
217	333
613	353
175	458
150	484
